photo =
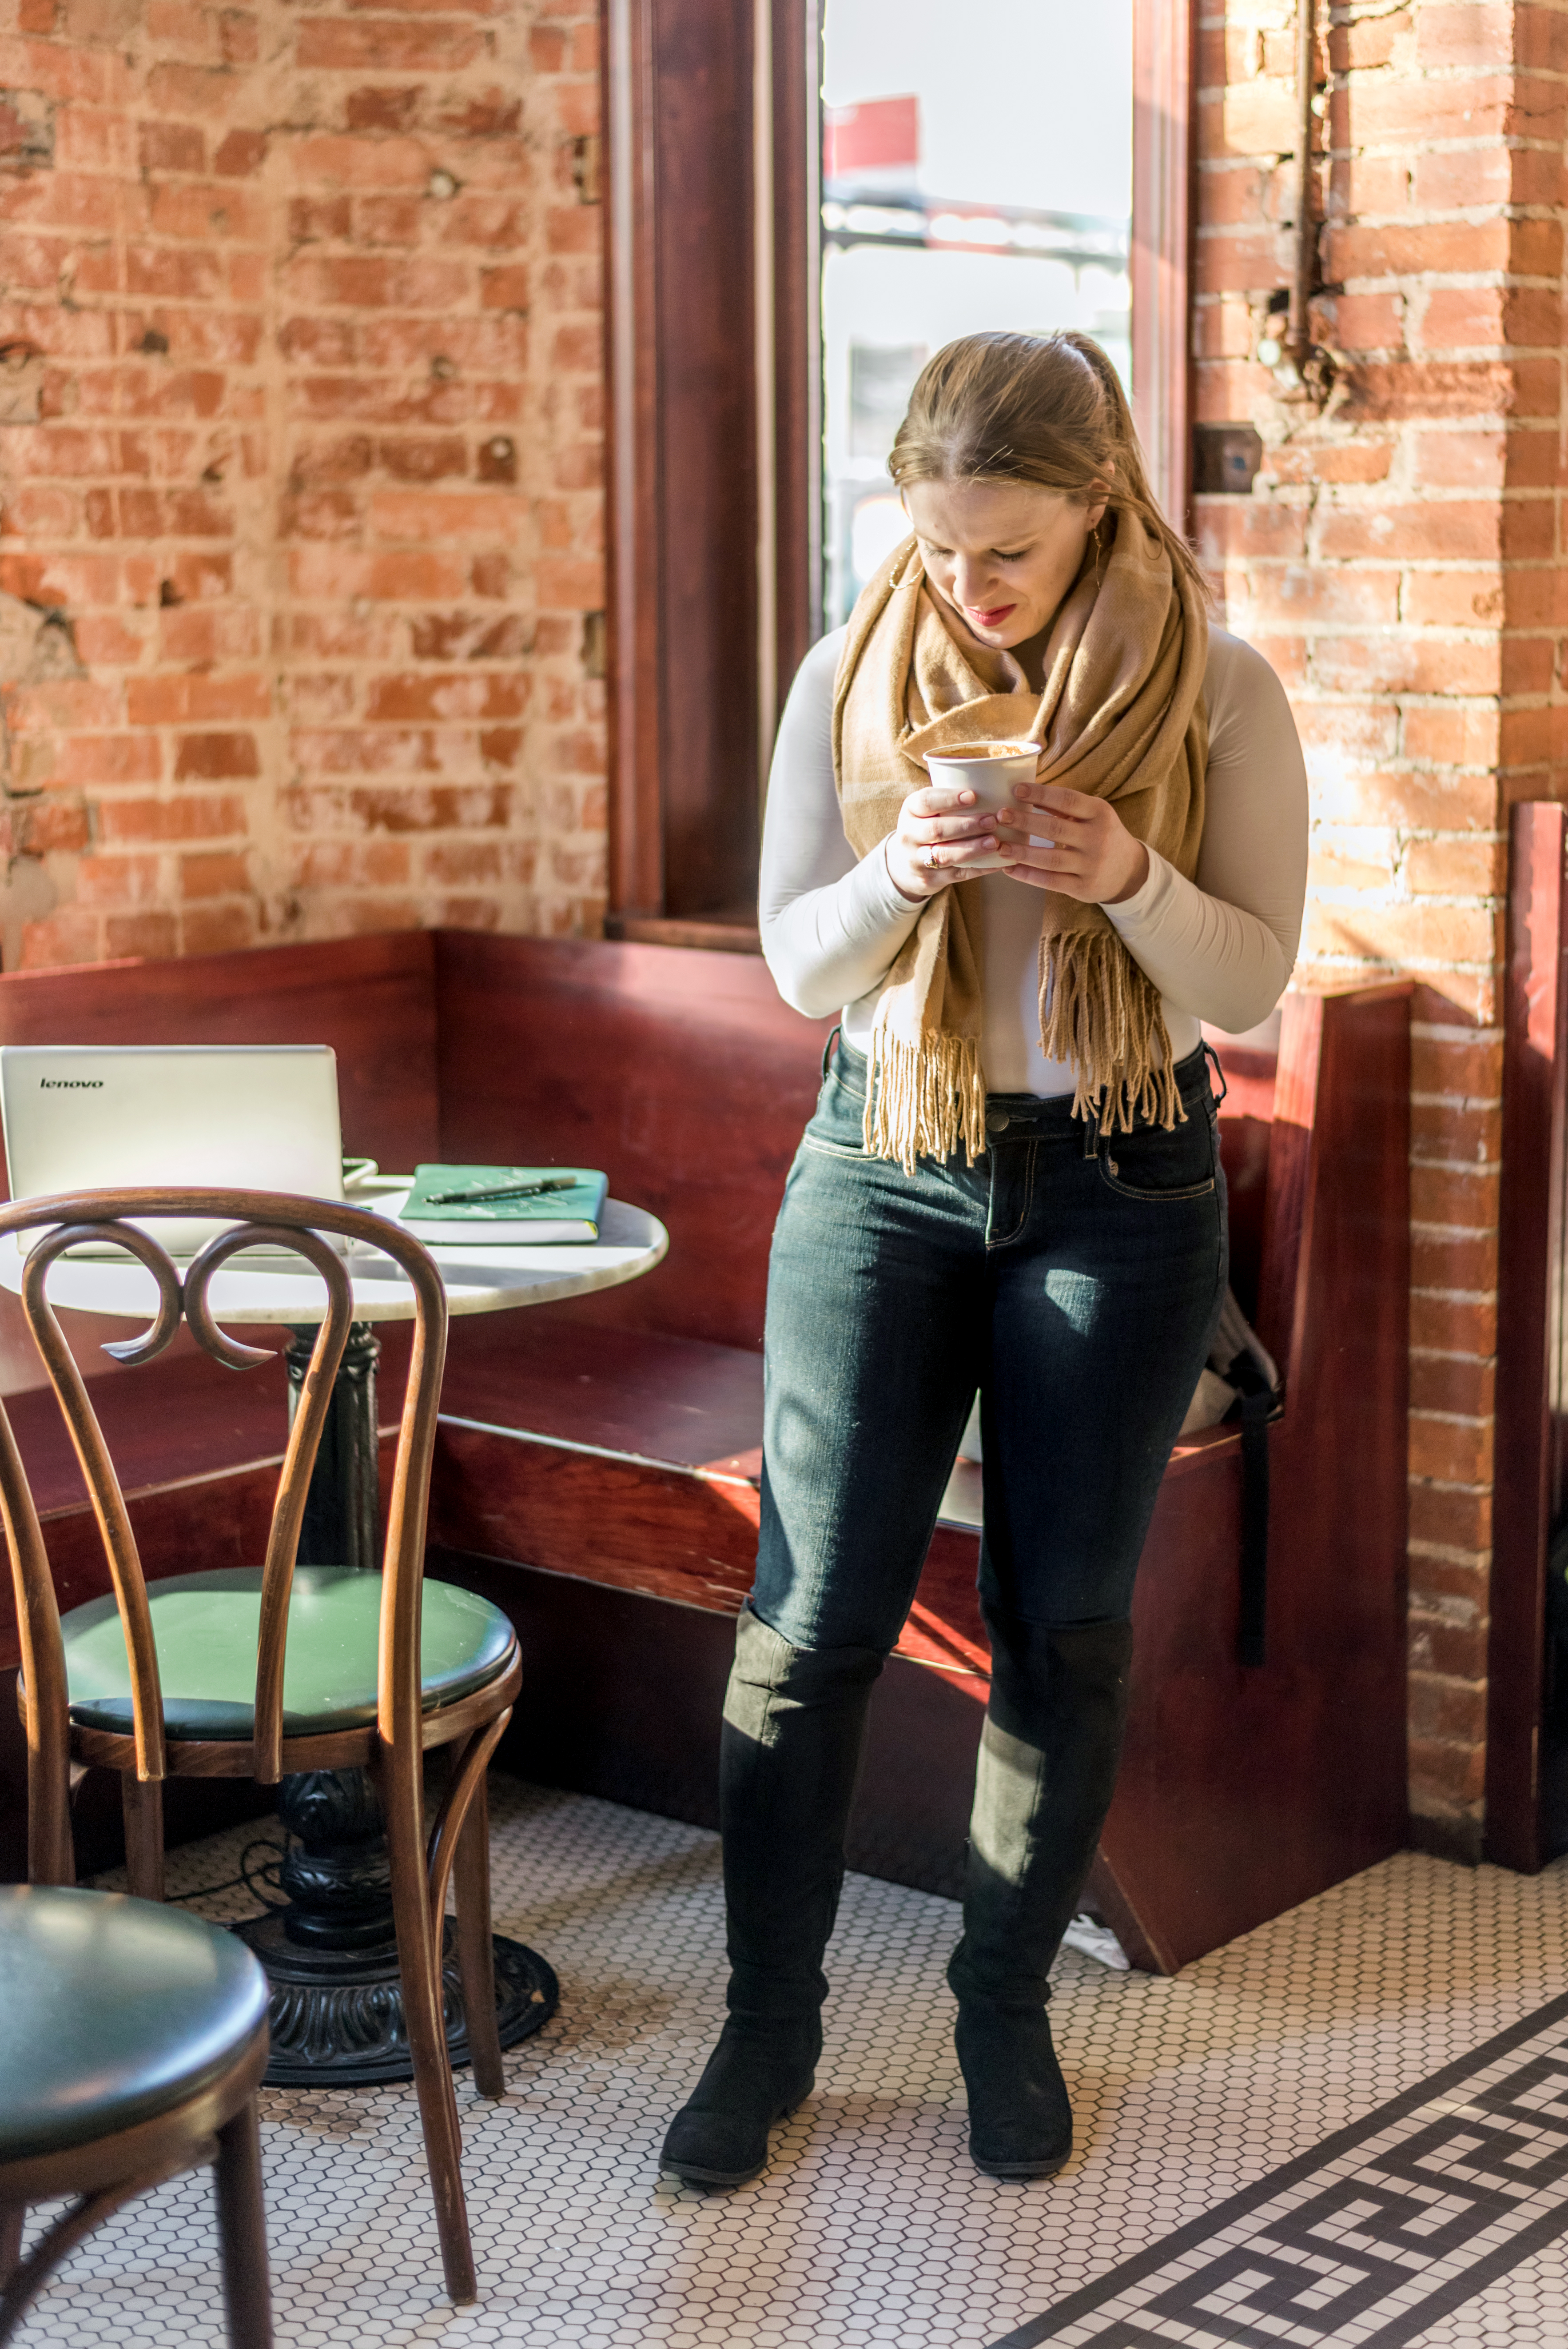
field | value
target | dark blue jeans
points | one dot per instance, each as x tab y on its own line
1075	1279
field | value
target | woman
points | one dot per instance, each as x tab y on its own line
1012	1182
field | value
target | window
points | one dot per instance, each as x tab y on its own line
967	183
797	212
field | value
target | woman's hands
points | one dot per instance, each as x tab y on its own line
1052	839
942	835
1071	842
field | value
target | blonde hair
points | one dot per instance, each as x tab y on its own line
1047	408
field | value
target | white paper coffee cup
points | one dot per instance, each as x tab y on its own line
989	770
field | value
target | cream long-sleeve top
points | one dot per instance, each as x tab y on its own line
1220	947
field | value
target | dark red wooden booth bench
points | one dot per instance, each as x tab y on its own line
598	1464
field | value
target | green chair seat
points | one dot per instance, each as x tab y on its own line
205	1628
111	2012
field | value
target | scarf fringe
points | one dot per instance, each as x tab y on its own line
1104	1016
922	1100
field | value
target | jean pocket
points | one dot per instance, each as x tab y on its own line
1153	1166
838	1125
825	1149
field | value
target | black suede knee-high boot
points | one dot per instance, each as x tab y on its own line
793	1722
1048	1755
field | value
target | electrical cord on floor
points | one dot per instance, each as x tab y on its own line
247	1876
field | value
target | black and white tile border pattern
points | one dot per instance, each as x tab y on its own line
1371	2237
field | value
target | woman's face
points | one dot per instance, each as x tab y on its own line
1004	553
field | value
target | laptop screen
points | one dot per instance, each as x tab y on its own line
253	1117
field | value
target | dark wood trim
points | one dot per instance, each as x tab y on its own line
725	938
1530	1283
797	328
684	471
714	461
1106	1898
1163	215
636	848
705	310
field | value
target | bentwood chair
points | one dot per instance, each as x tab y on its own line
159	1694
132	2040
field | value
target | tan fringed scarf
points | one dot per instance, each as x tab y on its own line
1122	717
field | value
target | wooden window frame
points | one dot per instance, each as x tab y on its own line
1164	218
710	129
712	152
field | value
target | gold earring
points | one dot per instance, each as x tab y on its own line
1097	554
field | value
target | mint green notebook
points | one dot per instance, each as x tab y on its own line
545	1218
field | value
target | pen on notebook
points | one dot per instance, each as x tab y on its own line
510	1191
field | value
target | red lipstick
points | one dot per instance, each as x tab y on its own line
993	618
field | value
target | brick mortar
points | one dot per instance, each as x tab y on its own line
381	610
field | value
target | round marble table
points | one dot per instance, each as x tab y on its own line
336	2016
488	1276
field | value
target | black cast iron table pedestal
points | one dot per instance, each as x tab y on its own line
331	1955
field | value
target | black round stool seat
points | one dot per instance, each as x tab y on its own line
112	2010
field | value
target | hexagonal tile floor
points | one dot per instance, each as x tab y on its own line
871	2226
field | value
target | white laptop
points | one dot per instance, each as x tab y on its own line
251	1117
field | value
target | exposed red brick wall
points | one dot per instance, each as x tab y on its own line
1401	562
302	547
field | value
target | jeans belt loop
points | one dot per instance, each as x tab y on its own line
1210	1055
827	1051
